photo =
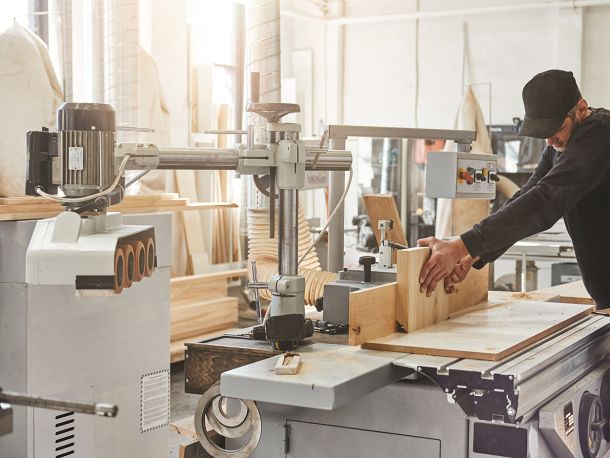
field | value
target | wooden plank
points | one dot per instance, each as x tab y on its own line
15	212
415	310
186	290
198	258
573	293
185	427
177	347
489	334
372	313
383	206
471	291
202	317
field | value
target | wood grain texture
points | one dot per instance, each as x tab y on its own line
573	293
177	347
519	296
202	317
414	309
383	206
372	313
489	334
471	291
24	208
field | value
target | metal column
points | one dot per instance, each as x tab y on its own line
288	230
336	186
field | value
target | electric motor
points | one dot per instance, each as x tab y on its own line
86	136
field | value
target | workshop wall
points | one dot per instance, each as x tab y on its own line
504	48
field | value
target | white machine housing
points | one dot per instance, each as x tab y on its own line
68	246
445	172
57	343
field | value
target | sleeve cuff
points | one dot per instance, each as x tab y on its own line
474	244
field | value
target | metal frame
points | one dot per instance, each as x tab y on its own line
337	135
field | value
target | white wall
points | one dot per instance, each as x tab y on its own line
505	49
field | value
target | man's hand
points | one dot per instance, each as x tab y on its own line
445	256
459	273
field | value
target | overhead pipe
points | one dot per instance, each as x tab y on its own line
566	4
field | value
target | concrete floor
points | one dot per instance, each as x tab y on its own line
181	405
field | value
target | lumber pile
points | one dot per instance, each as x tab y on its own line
22	208
200	308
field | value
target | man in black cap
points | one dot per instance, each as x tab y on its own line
572	180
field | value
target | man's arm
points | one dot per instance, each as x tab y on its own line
575	174
545	164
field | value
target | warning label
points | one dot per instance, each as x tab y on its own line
154	400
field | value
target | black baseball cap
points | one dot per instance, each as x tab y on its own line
548	97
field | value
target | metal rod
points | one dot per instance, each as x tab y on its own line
198	159
345	131
228	159
288	240
336	187
257	299
103	410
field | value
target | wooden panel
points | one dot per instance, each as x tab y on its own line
471	291
194	288
177	347
203	317
489	334
372	313
414	309
383	206
573	293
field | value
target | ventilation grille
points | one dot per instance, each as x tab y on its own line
64	434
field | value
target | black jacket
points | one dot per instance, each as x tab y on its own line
573	184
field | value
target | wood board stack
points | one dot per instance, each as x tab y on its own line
200	308
23	208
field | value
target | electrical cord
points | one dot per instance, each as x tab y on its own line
75	200
330	218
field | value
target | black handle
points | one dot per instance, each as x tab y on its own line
367	262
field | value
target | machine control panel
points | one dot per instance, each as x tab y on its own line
455	175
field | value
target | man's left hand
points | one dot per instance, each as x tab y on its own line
445	255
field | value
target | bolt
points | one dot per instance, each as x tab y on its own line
511	411
356	329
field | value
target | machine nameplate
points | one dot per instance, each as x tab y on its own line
75	158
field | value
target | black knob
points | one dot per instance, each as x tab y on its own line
494	177
479	176
367	262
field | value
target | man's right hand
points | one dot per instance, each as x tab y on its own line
459	273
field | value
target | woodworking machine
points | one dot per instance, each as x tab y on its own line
87	293
550	399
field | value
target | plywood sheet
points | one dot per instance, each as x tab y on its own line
489	334
372	313
414	309
383	206
573	293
